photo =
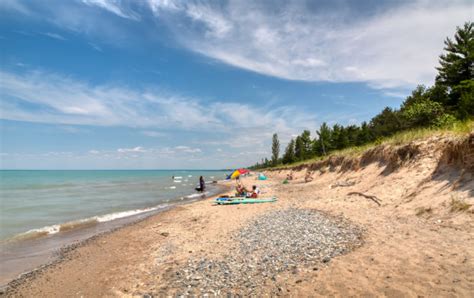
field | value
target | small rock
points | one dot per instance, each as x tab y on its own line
164	234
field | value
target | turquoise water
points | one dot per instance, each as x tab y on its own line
48	201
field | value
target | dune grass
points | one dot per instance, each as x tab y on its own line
457	129
458	205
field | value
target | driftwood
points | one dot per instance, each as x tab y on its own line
370	197
343	184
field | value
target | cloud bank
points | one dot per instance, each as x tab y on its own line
386	44
53	98
394	47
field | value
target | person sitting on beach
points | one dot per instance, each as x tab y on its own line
240	188
289	176
254	193
308	177
202	185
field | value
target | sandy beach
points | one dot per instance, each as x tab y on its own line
416	243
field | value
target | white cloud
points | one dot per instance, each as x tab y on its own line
58	99
137	149
94	152
73	129
14	5
398	47
95	47
54	36
114	7
54	98
187	149
152	133
158	5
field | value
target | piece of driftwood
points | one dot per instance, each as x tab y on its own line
343	184
370	197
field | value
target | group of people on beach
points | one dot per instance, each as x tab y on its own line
242	191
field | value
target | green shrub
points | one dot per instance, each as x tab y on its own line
444	120
423	113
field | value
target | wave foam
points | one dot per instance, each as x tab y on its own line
117	215
196	195
82	223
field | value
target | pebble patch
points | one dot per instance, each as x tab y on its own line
279	242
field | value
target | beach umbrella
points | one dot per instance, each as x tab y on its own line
238	172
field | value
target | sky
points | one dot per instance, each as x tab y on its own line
164	84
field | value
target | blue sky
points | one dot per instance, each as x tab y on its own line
89	84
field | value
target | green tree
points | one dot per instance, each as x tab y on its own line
352	132
466	102
299	148
439	93
457	64
275	149
419	94
289	155
386	123
339	137
306	144
423	113
323	143
364	135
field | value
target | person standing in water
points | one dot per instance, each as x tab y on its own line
202	185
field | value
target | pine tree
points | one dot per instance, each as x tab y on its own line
299	148
365	135
352	132
386	123
289	155
306	144
275	149
324	139
457	64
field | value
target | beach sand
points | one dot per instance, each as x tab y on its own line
405	251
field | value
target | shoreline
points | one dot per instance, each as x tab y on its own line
263	249
57	255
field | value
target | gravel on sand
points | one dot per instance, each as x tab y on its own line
279	242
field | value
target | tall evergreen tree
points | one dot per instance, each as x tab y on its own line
299	148
457	64
306	144
324	139
289	155
275	149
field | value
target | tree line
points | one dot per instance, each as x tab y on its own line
450	99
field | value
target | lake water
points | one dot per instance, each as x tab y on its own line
46	201
41	211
